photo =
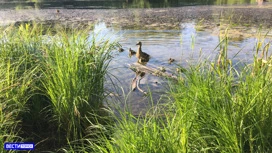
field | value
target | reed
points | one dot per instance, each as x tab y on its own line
74	79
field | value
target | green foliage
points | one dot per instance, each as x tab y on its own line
74	79
17	75
50	80
58	79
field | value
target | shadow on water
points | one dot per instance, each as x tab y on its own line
116	4
186	45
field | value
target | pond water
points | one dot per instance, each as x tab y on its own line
109	4
186	46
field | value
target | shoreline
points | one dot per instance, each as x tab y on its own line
243	21
163	18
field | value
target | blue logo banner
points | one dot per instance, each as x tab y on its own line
19	146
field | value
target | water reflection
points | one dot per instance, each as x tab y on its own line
135	83
102	33
108	4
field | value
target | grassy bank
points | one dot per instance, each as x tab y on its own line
52	93
52	84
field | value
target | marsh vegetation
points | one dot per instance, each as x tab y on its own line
67	87
52	84
52	93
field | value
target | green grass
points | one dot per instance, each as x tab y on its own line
52	83
74	80
15	85
52	93
209	113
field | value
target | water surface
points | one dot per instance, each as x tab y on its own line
187	46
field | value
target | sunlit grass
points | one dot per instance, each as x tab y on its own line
51	79
17	75
74	79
